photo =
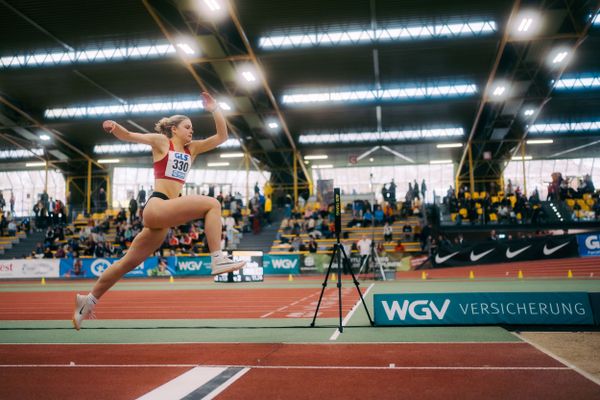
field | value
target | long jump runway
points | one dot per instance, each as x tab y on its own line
255	343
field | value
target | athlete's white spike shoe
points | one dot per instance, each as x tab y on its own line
222	264
84	308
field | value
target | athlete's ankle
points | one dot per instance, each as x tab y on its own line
92	298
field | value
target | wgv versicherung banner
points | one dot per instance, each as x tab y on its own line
535	308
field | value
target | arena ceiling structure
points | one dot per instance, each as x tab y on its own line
474	83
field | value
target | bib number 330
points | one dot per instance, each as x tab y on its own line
180	165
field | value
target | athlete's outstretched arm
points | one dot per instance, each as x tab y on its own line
201	146
152	139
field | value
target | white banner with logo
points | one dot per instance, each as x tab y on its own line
44	267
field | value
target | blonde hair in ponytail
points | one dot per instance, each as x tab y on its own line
165	125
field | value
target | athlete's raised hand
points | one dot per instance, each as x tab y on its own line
109	125
210	104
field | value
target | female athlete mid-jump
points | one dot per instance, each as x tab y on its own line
173	152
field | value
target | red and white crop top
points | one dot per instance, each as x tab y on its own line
174	165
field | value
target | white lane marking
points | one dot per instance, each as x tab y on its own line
222	368
226	384
183	385
289	305
560	359
345	321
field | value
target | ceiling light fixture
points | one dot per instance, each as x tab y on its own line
217	164
232	155
440	162
448	145
317	157
109	161
35	164
540	141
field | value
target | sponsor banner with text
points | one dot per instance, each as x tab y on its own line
93	267
192	265
44	267
494	251
281	264
517	308
589	245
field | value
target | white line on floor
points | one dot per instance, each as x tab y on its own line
345	321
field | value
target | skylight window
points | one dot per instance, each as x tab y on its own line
8	154
104	54
423	91
130	108
578	82
587	126
387	136
387	34
128	148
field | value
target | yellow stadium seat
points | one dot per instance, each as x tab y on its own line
453	217
479	210
475	196
463	212
493	217
495	199
590	202
482	195
570	202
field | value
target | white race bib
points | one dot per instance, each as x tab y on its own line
178	165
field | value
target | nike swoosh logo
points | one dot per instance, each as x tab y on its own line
511	254
81	311
476	257
440	260
548	251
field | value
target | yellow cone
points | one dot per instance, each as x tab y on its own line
290	278
171	280
471	275
570	274
333	277
520	276
43	282
424	275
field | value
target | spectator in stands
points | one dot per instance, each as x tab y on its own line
509	188
12	228
493	235
12	202
141	198
426	236
133	208
347	261
399	248
379	216
423	189
47	253
392	193
268	209
407	230
297	243
313	245
364	248
60	252
101	200
387	232
367	219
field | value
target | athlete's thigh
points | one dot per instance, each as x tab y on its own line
144	244
168	213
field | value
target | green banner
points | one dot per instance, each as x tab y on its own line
568	308
281	264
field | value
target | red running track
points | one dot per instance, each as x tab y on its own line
181	304
301	371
